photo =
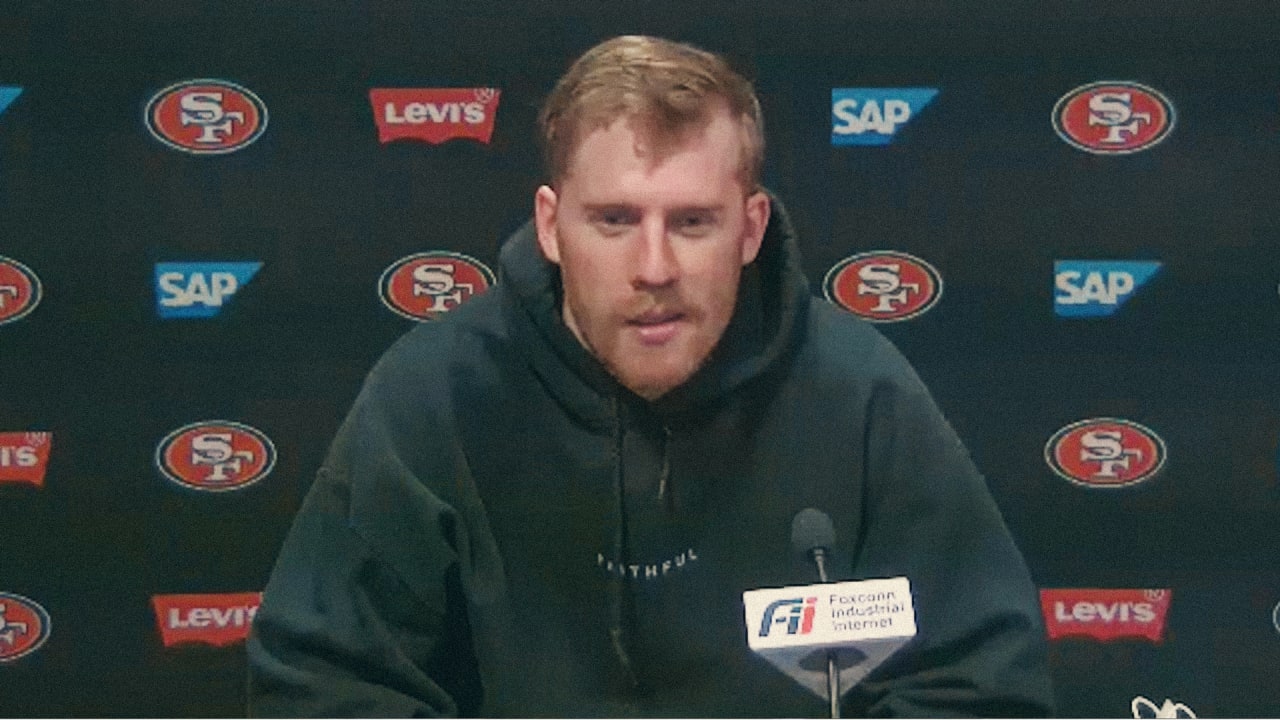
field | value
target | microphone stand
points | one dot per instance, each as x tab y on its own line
833	672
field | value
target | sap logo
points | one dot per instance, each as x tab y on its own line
871	116
199	290
1097	288
8	94
1144	708
798	618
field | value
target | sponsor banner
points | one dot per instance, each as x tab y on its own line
883	285
8	93
425	285
1097	288
1113	118
206	117
24	626
24	457
1105	614
215	456
20	290
1105	452
872	116
199	289
1144	708
434	115
211	619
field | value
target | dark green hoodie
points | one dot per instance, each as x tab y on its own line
500	528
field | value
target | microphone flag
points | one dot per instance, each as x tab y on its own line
863	621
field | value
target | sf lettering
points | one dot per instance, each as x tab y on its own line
7	291
436	281
214	450
204	110
1104	447
9	631
884	280
1114	111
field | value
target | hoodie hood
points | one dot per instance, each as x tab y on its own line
773	299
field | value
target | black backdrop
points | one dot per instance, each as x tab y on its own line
978	184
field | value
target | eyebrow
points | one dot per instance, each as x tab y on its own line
677	210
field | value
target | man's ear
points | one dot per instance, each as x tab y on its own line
545	204
753	231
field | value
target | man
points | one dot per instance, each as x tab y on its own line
551	501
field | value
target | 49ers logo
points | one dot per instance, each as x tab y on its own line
883	286
1105	452
24	626
19	290
206	117
425	285
1113	118
216	455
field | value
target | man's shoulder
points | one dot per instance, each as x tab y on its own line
428	355
844	345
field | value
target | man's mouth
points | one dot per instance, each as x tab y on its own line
656	327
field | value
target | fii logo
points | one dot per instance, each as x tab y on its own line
872	116
795	613
1097	288
206	117
8	94
199	289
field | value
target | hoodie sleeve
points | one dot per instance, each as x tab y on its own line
980	648
364	615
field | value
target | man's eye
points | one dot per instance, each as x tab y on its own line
692	224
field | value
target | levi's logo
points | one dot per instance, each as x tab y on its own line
1105	614
434	115
24	457
796	614
216	620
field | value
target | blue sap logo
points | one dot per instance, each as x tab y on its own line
871	116
8	94
199	289
1097	288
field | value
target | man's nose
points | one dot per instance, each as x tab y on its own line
656	261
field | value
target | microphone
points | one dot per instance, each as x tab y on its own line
812	536
827	636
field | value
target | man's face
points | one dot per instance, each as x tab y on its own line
651	247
